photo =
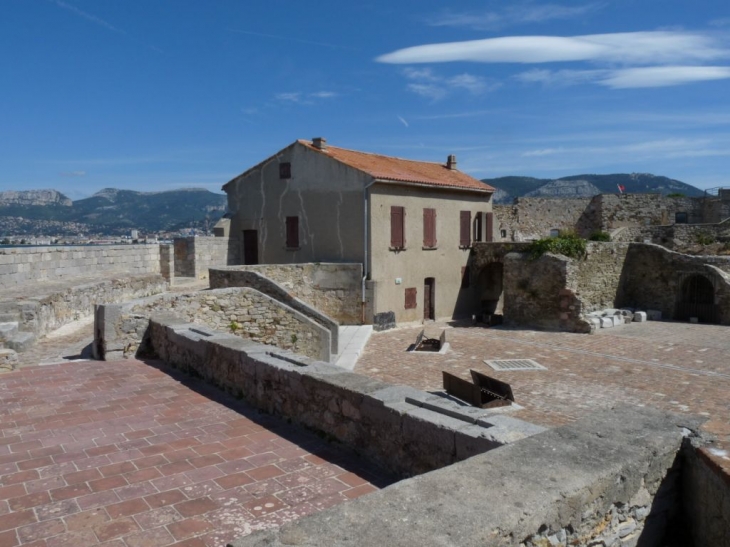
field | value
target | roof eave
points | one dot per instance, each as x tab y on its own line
486	190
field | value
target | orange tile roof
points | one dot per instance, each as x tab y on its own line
401	170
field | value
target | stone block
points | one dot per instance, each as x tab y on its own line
640	316
606	322
654	315
20	341
7	330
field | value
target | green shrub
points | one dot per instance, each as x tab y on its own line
676	195
567	244
703	238
600	236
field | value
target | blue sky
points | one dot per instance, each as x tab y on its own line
160	94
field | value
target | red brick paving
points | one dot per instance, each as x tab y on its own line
676	367
127	455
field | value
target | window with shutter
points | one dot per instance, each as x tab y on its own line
465	228
489	222
292	232
411	298
285	170
478	227
429	228
397	227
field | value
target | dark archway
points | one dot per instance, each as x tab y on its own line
697	299
489	286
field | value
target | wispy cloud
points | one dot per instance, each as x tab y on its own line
653	47
626	78
88	16
515	14
72	174
299	97
403	121
426	83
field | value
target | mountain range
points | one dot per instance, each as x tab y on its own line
509	188
109	211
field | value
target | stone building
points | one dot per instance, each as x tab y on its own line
410	223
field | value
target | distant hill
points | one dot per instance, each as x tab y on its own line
587	185
115	212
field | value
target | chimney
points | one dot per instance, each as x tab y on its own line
451	162
320	143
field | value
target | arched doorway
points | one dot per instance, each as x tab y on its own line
697	299
489	285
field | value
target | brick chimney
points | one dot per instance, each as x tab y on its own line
319	143
451	162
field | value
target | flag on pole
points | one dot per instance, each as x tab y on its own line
621	188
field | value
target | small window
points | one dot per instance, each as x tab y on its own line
397	227
465	277
292	232
478	227
429	228
554	232
285	170
465	228
680	218
411	298
503	234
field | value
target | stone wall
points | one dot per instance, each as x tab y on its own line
405	430
244	312
28	265
653	277
596	279
675	236
706	499
533	218
332	288
195	255
586	484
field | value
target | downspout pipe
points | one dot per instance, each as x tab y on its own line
365	222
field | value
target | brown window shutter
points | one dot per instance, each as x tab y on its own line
490	226
411	298
465	228
397	225
465	277
429	227
478	227
292	232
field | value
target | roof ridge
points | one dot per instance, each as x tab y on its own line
309	143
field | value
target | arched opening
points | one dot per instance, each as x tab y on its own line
697	299
489	286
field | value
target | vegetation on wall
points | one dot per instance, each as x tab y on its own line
567	244
600	236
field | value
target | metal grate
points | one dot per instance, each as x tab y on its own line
514	364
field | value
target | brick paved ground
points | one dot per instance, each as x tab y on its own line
126	455
672	366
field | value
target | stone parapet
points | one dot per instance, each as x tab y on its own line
405	430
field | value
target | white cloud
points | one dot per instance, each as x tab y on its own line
89	17
662	76
515	14
429	91
427	83
304	98
288	97
625	78
403	121
323	95
73	174
653	47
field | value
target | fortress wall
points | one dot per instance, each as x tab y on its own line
26	265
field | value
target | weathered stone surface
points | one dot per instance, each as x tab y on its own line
640	316
573	484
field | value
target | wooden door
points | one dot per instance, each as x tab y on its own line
429	300
250	247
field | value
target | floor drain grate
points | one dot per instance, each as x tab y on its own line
514	364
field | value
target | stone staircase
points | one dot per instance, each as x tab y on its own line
12	341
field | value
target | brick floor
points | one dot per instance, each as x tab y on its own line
677	367
130	455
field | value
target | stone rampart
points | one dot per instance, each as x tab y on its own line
653	278
405	430
596	278
706	499
333	289
29	265
586	484
193	256
245	312
534	218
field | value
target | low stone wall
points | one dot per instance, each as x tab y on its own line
43	313
27	265
245	312
653	277
588	484
195	255
676	236
706	499
405	430
333	289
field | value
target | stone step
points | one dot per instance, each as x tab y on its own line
20	341
8	359
7	330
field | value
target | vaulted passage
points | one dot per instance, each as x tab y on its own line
697	299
